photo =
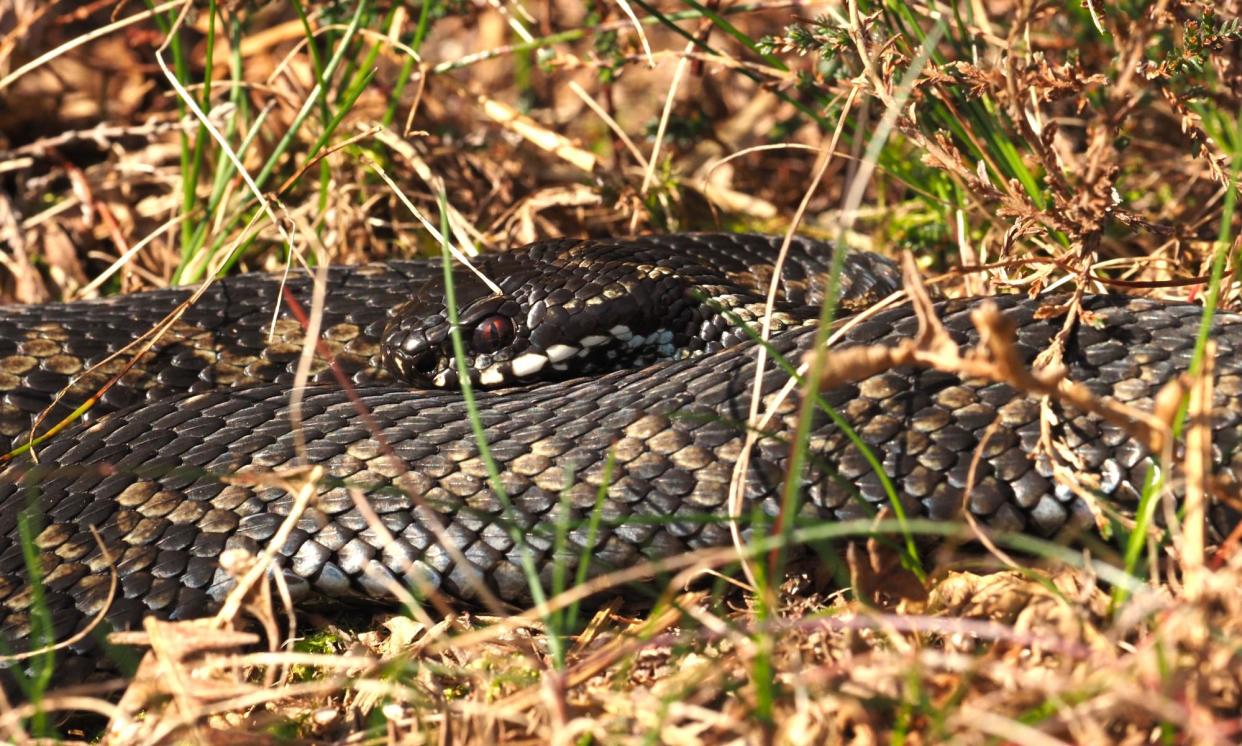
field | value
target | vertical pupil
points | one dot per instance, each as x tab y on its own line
492	333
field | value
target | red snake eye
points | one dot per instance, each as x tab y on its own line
492	333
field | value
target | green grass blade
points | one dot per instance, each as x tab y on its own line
597	514
480	434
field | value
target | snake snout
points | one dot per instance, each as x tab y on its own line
410	353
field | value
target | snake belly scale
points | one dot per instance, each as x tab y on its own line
213	401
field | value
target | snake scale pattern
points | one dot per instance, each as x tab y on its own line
211	399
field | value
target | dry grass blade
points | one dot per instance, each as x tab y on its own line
669	99
553	142
619	648
83	39
1198	465
141	344
95	621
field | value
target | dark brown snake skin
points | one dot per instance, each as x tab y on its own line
214	401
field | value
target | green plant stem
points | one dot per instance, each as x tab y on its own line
526	558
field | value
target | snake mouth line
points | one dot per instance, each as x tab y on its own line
560	358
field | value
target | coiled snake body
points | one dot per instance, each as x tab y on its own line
212	399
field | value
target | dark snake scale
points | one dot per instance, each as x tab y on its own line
212	399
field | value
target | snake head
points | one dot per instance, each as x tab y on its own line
564	309
535	329
547	323
416	346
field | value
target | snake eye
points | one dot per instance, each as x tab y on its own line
492	333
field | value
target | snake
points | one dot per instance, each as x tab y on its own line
611	383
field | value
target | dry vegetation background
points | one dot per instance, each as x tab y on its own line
1089	145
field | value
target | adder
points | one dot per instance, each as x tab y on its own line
615	367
